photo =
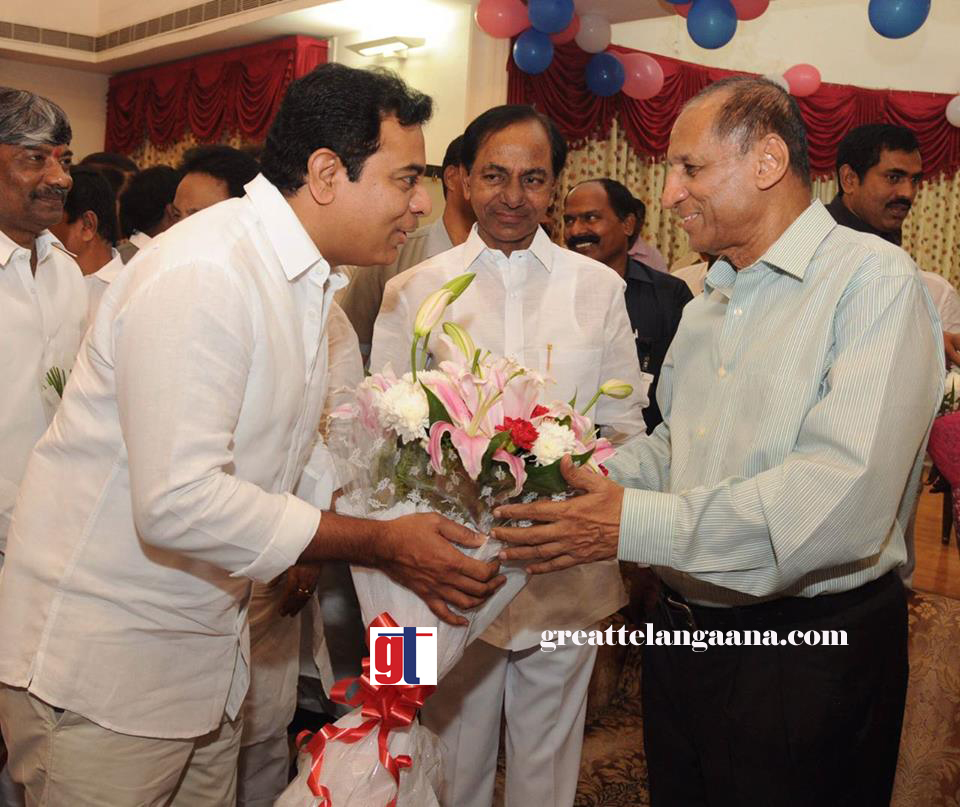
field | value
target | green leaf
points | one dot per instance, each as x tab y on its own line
498	441
438	412
547	479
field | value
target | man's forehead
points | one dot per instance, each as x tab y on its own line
587	197
909	161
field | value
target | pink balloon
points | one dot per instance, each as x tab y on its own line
804	80
749	9
502	18
683	9
567	34
644	75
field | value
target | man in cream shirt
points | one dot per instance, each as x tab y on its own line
564	315
162	487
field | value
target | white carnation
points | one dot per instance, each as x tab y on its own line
404	408
553	441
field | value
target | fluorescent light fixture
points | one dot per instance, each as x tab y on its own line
390	46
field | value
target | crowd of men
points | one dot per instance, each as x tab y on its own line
172	337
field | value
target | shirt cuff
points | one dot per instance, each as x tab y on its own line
647	526
298	524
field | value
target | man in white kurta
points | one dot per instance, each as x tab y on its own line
562	314
163	485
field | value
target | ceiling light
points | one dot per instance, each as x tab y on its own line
391	46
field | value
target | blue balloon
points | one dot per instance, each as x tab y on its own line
712	23
533	51
550	16
897	18
605	74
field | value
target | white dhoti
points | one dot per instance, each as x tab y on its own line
544	699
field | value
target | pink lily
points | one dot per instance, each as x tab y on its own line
517	468
470	448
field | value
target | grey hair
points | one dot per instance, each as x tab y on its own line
756	107
27	119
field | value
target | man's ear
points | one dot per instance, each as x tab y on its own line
773	161
451	179
629	225
323	166
849	181
465	181
90	223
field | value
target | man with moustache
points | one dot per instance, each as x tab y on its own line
600	220
879	170
562	314
163	486
797	398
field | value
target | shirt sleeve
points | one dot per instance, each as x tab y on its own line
833	499
183	347
949	308
392	332
620	361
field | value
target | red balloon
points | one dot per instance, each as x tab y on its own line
683	9
644	75
568	34
502	18
804	80
749	9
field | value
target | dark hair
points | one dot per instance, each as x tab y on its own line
114	176
450	157
92	192
861	147
231	165
110	159
28	119
144	202
756	107
499	118
622	202
341	109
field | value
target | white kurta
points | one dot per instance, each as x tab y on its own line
163	485
556	312
42	320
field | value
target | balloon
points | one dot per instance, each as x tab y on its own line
550	16
804	80
605	74
953	111
683	9
749	9
594	33
502	18
712	23
567	34
644	75
897	18
533	51
778	79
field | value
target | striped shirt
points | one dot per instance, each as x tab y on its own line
797	397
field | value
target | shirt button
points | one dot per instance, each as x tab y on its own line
701	432
738	312
722	372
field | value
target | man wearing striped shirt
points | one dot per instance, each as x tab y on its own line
797	397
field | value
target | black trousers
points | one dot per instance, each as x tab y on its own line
779	726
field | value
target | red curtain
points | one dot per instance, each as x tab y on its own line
561	92
228	91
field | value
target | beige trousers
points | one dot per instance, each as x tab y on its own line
64	759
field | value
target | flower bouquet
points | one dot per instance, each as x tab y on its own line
944	443
458	440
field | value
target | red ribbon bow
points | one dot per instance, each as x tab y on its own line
390	707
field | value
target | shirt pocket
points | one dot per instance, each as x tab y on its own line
569	371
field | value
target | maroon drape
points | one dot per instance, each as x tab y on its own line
561	92
232	90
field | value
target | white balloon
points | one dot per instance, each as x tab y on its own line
953	111
776	78
594	33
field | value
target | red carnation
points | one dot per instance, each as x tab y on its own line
522	432
604	470
539	410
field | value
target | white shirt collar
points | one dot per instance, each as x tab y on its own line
139	239
45	241
294	248
541	248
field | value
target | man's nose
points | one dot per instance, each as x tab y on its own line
420	203
673	190
512	193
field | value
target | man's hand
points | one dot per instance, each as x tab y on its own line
579	530
299	583
951	347
417	552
